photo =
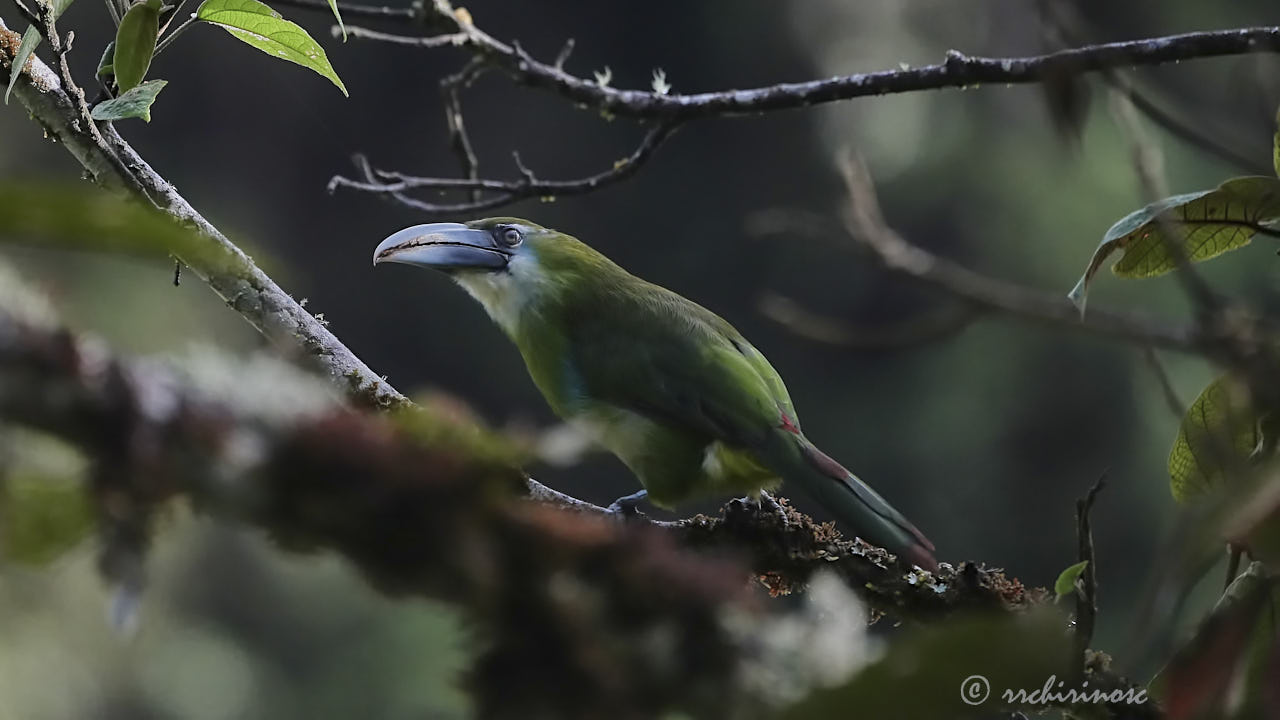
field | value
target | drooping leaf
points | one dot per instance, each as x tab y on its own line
1204	224
135	103
333	5
136	43
968	664
264	29
30	40
1219	433
1066	582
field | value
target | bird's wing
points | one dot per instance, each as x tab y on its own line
670	359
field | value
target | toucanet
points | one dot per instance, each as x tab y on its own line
668	386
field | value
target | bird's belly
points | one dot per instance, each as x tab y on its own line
673	465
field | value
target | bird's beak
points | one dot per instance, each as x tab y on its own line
443	246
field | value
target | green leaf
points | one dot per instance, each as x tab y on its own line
1219	433
30	40
263	28
135	103
1066	582
136	43
105	67
333	5
1204	224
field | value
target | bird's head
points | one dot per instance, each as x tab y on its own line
503	262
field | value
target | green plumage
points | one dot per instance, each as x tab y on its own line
668	386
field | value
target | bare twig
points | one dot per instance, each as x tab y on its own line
1188	134
1170	394
1087	596
671	110
957	71
928	327
867	226
115	165
505	192
1148	163
563	56
350	10
1068	28
1233	564
451	89
433	41
27	15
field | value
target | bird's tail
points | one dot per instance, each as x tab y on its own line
853	503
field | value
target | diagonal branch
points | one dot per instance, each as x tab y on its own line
115	165
1222	341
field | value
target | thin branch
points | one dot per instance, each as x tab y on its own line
115	165
27	15
1087	595
84	119
1170	394
957	71
507	191
1068	28
434	41
931	326
1188	134
563	56
349	10
868	227
168	39
451	88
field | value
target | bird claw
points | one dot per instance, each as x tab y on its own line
765	501
625	506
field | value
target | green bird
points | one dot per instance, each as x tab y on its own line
668	386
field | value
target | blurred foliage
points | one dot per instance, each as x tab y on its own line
1227	669
67	217
44	504
976	659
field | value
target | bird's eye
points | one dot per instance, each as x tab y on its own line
510	236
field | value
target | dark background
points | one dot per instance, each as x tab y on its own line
984	438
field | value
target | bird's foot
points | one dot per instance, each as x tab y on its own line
766	502
625	506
